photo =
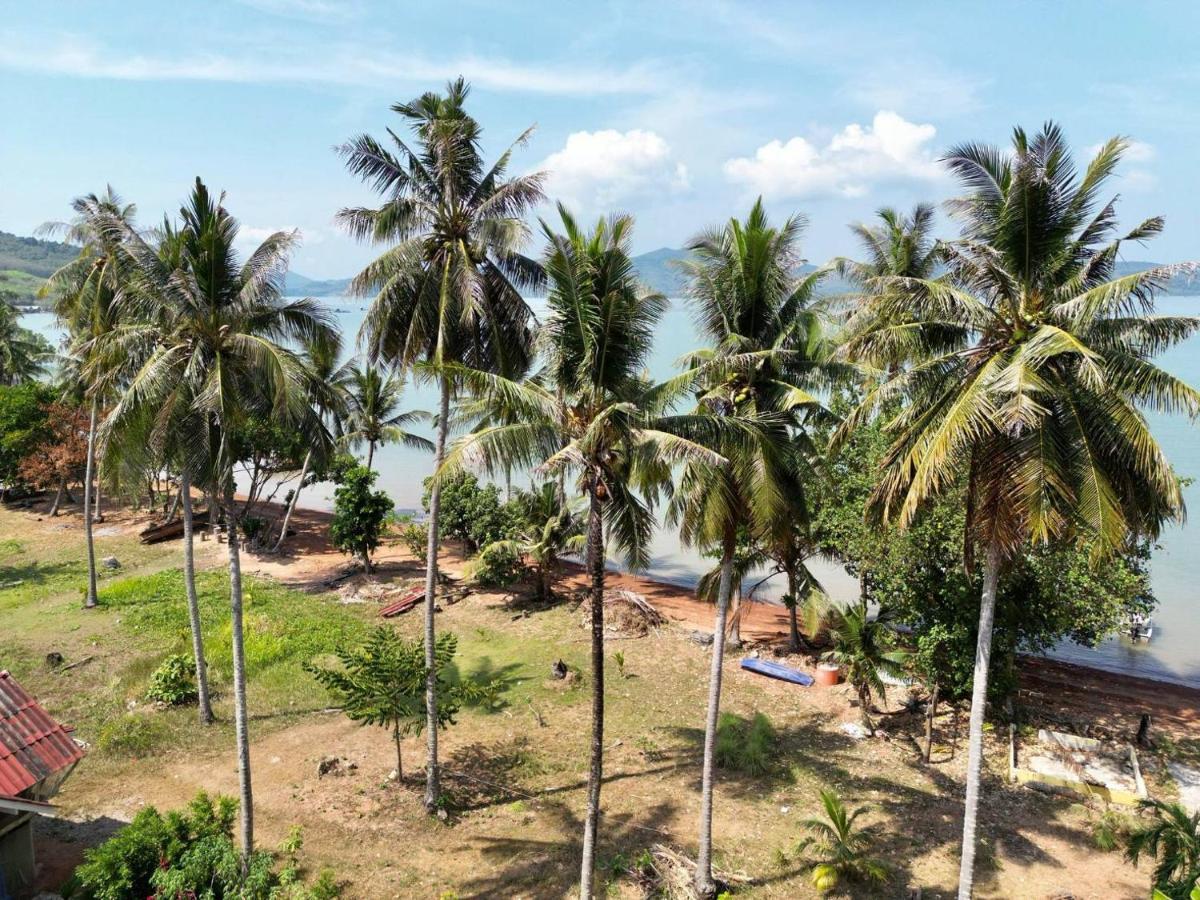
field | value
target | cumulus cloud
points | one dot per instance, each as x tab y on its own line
889	149
596	169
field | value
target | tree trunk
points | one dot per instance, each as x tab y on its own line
595	562
97	517
705	886
287	516
432	787
399	758
793	626
930	715
371	453
983	656
189	583
246	807
89	472
735	633
173	510
864	707
58	496
507	482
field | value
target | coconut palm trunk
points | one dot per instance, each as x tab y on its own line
246	806
96	514
287	516
705	886
432	786
370	453
983	657
189	584
89	473
793	626
595	561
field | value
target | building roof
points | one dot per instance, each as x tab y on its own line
32	745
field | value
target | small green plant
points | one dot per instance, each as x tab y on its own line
173	682
745	746
1111	831
382	682
619	659
836	849
499	565
415	539
133	734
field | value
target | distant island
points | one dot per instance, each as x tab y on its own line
26	262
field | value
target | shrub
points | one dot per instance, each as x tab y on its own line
359	514
471	512
133	734
173	682
191	853
836	849
415	539
745	746
499	565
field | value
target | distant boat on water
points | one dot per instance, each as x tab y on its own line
1139	627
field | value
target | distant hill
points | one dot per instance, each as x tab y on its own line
25	262
296	285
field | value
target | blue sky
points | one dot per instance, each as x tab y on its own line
677	112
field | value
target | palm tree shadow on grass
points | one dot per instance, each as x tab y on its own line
547	866
31	573
496	680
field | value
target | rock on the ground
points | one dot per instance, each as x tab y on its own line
111	562
335	765
854	730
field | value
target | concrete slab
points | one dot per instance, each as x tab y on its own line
1188	780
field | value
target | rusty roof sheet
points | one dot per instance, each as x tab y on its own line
32	745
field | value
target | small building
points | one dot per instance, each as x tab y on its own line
36	756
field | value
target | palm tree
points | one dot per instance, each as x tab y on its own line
329	380
549	530
447	289
1034	366
24	354
597	416
1172	840
373	418
768	350
864	645
898	249
84	291
837	849
216	332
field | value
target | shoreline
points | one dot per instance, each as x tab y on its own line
765	622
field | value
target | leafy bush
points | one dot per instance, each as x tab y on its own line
471	512
191	853
499	565
745	746
173	682
133	734
415	539
359	514
1111	831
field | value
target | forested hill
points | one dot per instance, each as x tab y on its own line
25	262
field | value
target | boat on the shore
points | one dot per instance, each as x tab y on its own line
1139	627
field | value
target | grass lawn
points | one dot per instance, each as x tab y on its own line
516	772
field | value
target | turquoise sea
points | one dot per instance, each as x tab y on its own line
1172	655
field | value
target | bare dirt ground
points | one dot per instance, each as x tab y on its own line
517	775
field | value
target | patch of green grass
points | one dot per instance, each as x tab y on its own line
134	735
745	746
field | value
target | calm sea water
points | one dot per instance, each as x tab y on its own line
1173	654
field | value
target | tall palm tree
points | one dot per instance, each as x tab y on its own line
217	333
84	291
329	380
1035	365
899	248
24	354
447	289
372	417
768	351
596	416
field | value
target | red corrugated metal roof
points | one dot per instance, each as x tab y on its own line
32	745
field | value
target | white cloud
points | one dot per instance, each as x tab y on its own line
889	149
596	169
250	236
1135	152
73	56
